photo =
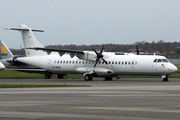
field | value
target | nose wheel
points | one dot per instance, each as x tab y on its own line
165	79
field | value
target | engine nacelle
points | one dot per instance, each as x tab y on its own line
91	55
88	55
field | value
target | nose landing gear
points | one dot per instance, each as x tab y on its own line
165	78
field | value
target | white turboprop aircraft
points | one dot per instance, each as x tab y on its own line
91	63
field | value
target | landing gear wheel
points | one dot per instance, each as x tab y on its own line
87	77
60	76
166	78
108	79
47	76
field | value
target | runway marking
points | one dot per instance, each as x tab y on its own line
64	115
136	95
139	109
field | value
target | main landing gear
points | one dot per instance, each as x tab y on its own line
108	79
48	76
88	77
60	76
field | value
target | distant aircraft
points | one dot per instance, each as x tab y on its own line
9	61
91	63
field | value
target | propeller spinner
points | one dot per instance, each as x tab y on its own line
99	55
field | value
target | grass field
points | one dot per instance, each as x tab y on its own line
9	74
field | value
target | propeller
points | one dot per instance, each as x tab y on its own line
137	50
99	55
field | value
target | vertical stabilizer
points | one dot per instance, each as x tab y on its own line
30	41
5	53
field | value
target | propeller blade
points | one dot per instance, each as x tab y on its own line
104	61
96	62
99	55
102	49
137	49
95	51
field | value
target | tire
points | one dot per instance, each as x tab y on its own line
87	77
47	76
108	78
60	76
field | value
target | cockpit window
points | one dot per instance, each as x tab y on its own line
155	60
159	60
164	60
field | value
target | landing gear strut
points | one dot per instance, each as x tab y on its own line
165	78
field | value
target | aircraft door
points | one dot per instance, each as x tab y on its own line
49	64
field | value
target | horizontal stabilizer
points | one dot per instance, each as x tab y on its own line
23	29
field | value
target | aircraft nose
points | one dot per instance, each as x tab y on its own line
173	68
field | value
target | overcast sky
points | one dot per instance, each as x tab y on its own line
91	21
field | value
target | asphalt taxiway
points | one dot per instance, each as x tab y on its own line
125	98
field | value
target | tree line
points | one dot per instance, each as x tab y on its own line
168	48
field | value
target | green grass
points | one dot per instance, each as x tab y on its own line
11	74
30	86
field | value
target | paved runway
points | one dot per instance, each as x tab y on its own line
126	98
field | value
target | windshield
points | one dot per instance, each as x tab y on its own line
160	60
165	60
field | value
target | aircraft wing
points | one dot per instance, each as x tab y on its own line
60	51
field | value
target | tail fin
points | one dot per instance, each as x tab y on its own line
30	41
5	53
